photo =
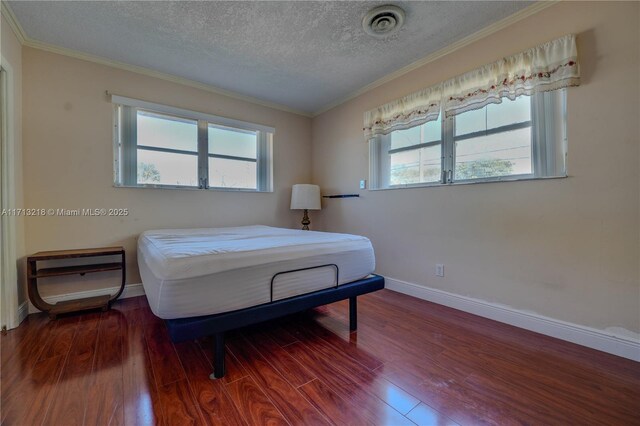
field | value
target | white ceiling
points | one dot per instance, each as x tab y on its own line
302	55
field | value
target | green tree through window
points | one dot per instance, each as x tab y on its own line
148	173
483	168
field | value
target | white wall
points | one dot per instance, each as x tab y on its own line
69	162
567	248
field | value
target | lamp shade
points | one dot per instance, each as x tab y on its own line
305	196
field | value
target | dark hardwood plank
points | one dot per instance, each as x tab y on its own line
86	338
11	339
549	389
140	393
549	405
348	386
31	398
70	399
138	314
127	305
312	330
119	367
27	338
569	354
446	392
105	391
494	360
178	404
60	338
423	415
106	404
253	403
340	411
31	346
19	356
235	369
348	367
296	409
213	400
146	314
164	360
381	342
391	339
292	371
277	333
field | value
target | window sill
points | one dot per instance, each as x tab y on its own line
467	182
189	188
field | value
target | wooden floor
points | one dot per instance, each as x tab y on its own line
409	361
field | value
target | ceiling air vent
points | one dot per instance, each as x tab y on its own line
383	21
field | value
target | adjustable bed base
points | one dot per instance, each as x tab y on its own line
216	325
207	281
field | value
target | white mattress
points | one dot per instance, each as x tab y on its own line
193	272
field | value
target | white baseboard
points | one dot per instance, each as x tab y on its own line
130	290
23	311
593	338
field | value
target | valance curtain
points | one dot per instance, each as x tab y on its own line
549	66
409	111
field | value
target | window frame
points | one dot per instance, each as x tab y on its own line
541	163
126	148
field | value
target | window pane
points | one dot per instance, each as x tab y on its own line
416	166
502	154
163	168
471	122
236	143
164	131
509	112
224	173
494	115
427	132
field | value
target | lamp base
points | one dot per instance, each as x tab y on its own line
305	220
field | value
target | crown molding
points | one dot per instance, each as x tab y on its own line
35	44
157	74
497	26
8	14
486	31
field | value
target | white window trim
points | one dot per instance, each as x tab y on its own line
195	115
123	166
541	163
513	178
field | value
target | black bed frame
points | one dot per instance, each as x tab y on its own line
216	325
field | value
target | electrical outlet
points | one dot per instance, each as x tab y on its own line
439	270
363	184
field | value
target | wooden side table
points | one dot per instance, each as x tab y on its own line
97	302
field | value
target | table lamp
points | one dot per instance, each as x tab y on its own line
305	197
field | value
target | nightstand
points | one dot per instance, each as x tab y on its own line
97	302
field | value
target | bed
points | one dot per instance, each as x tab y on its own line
204	282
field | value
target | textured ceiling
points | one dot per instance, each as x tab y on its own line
303	55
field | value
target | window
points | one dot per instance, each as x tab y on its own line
165	147
415	154
520	139
232	157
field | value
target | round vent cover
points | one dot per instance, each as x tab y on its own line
383	21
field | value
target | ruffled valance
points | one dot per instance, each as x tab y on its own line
412	110
549	66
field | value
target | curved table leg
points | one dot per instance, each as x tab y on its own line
34	295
